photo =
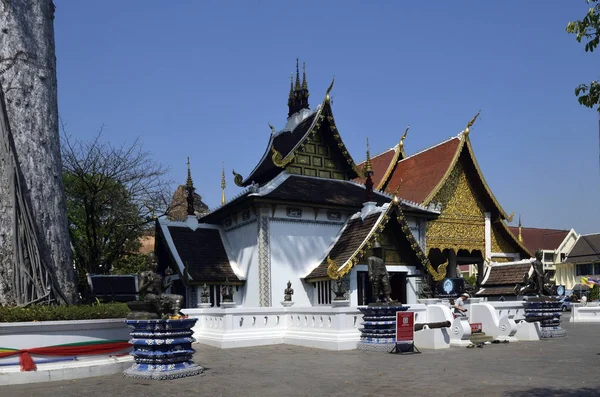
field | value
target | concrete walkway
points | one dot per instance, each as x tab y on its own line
563	367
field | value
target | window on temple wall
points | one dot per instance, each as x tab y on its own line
584	269
323	292
597	268
548	257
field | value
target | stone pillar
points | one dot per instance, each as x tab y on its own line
480	270
451	269
488	236
264	259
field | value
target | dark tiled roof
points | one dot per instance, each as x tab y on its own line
353	235
178	208
507	274
495	291
534	238
284	143
203	254
323	191
585	250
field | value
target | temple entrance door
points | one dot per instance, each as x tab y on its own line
398	284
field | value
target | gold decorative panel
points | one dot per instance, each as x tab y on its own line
461	225
315	158
501	260
499	243
310	172
302	159
294	170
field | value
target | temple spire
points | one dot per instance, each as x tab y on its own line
368	172
223	185
304	91
520	234
298	95
297	86
291	97
189	190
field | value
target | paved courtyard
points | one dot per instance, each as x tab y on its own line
563	367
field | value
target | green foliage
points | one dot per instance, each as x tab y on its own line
112	193
594	293
130	264
471	280
12	314
104	224
588	30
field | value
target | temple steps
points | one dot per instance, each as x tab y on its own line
480	337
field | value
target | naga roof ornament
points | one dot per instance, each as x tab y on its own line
470	123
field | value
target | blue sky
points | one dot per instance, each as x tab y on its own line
203	78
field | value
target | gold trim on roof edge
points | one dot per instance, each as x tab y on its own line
515	239
464	140
437	274
503	213
279	160
366	244
399	151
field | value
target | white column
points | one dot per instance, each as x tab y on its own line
488	235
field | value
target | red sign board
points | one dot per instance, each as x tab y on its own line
405	326
476	327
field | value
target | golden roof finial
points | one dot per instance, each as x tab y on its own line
189	183
404	136
470	123
297	87
520	235
327	96
223	184
368	168
398	188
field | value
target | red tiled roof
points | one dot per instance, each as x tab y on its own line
534	238
422	172
381	163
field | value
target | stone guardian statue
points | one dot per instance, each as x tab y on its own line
378	275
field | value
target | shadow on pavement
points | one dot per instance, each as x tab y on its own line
550	392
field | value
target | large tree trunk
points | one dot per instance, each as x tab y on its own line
28	78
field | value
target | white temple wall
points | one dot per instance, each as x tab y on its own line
297	247
311	214
243	247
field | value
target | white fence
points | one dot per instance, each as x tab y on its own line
20	336
321	327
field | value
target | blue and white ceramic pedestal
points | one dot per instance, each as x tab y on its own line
162	349
379	328
548	313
